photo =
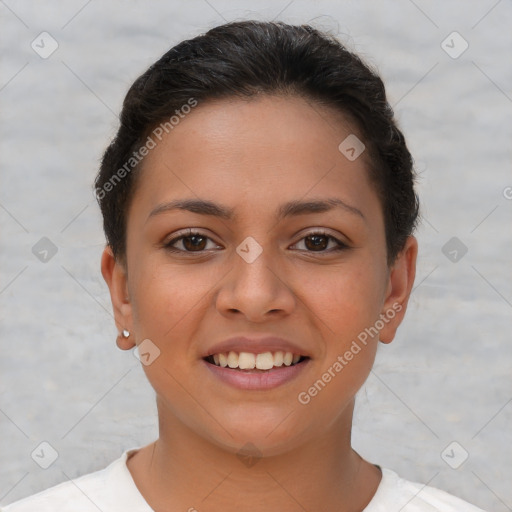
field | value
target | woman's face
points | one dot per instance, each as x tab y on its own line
271	268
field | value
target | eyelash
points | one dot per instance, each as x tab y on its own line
340	245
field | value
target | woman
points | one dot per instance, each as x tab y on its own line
259	209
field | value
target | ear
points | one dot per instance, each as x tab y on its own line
114	273
401	279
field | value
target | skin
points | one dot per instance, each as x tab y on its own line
253	156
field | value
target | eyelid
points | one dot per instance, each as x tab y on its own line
184	233
320	231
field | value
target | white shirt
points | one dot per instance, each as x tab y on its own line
113	489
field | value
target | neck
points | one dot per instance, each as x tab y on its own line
185	471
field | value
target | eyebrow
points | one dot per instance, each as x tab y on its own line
289	209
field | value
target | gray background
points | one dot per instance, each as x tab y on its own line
445	378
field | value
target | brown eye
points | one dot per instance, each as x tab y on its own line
318	242
192	242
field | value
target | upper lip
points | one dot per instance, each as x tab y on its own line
255	346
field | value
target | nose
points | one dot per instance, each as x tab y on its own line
258	288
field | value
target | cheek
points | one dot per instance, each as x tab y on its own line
346	299
170	304
166	309
164	295
347	304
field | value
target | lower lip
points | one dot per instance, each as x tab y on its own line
267	379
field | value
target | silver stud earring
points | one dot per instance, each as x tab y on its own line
126	333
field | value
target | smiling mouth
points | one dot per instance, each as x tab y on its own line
255	363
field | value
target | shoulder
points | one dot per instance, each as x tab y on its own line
81	494
110	489
394	494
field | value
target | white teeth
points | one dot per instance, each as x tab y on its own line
246	361
233	360
264	361
249	361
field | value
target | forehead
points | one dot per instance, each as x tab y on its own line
253	153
